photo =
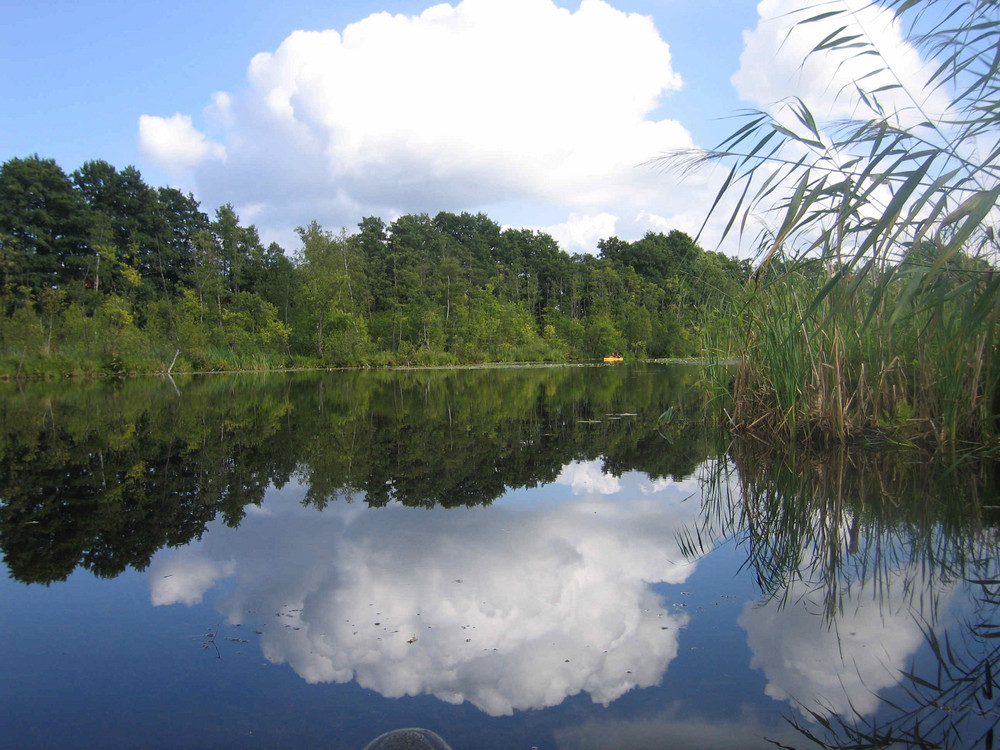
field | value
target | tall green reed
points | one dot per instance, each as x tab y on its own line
875	305
878	361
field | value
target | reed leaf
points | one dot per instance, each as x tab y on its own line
885	244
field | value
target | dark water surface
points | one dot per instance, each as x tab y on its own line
514	558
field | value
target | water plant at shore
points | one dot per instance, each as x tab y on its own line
875	304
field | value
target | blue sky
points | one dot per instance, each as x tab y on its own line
539	113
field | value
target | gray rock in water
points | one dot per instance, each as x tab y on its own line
408	739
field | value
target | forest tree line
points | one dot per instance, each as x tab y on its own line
101	272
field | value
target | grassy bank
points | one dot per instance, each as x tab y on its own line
57	366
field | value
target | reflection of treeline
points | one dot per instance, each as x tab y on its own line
103	475
99	271
835	521
437	437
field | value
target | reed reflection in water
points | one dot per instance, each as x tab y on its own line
866	559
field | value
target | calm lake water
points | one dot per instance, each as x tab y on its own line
513	558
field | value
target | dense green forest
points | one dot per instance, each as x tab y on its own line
100	272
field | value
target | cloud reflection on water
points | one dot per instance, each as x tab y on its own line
839	666
507	609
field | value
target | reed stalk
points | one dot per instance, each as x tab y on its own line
875	305
835	518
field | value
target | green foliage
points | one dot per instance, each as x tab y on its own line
875	302
103	270
44	220
602	336
23	332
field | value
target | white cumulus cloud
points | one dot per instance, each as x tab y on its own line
174	142
462	107
187	581
838	667
583	232
776	63
586	478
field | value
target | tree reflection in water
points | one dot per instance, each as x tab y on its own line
103	475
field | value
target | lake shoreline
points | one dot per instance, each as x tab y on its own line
83	375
